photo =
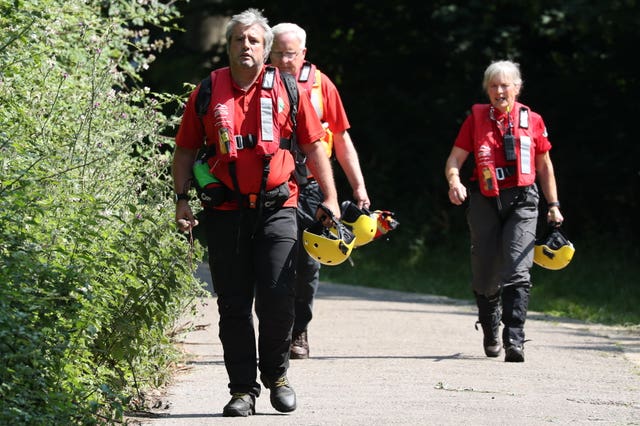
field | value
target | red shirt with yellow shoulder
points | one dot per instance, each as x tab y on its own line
334	113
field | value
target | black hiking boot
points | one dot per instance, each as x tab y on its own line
241	405
489	315
283	397
514	353
491	341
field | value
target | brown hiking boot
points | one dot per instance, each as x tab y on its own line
299	345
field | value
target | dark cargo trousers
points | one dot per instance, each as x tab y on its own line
253	257
502	242
308	269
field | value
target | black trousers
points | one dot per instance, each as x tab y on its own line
253	258
308	269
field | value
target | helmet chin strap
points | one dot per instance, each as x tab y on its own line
327	219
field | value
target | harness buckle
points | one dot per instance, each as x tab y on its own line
504	172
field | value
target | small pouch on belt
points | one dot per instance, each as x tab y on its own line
277	196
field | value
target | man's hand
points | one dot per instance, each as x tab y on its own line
326	215
185	219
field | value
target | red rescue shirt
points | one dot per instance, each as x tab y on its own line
465	140
249	165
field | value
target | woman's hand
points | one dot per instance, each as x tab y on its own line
554	217
457	193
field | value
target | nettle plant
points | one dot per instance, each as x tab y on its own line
93	273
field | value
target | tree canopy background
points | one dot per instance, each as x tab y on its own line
408	72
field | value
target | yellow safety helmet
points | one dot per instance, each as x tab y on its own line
329	246
385	222
554	251
362	223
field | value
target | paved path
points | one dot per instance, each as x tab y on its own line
390	358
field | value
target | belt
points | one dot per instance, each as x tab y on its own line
504	172
273	199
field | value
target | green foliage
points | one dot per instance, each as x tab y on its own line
594	287
421	267
92	271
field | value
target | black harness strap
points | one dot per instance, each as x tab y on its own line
236	186
203	99
301	171
263	184
252	201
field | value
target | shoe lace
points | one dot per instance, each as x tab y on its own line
282	381
238	395
299	338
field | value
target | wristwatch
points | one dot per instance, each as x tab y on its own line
182	197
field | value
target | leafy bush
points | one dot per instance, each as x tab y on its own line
92	270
